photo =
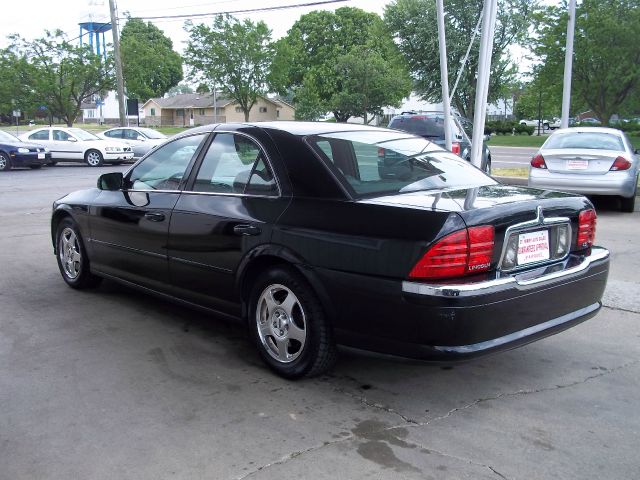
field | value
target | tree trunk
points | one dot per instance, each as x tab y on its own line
246	115
341	117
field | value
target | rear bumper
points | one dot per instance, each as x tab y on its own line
612	183
28	159
456	322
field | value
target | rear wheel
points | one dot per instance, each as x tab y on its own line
627	204
5	163
288	325
72	258
93	158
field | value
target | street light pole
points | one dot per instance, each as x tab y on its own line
568	65
118	59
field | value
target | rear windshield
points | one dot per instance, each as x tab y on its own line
592	140
430	126
376	163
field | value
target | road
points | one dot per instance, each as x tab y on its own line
113	384
511	157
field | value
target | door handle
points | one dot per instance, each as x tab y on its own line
245	229
154	216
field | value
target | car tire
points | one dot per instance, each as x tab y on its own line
93	158
5	163
35	167
288	325
72	257
487	166
52	163
627	205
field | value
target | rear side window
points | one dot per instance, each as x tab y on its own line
422	125
369	165
590	140
235	164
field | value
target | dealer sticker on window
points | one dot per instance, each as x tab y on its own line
533	247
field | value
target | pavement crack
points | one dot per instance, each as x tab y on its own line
378	406
618	309
517	393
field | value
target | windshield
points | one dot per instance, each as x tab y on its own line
7	137
82	134
375	163
150	133
590	140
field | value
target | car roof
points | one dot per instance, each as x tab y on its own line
292	127
614	131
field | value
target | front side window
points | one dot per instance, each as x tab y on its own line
165	168
41	135
374	163
61	136
235	164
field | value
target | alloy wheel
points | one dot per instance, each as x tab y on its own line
281	323
69	252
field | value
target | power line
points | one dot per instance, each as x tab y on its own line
248	10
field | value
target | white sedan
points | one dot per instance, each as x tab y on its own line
77	145
141	139
588	160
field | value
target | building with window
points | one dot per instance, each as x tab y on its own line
192	109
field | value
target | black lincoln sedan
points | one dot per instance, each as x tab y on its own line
16	153
323	234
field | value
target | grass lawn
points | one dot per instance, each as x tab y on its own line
510	172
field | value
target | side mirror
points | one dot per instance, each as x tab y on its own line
140	138
637	151
72	139
111	181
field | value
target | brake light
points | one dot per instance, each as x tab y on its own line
380	152
460	253
620	163
538	162
586	228
455	148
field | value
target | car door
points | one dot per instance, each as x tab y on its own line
137	142
228	209
129	227
65	146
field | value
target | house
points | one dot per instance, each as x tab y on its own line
191	109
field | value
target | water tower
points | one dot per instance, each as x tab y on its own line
95	22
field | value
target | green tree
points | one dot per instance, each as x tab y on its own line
64	75
231	54
16	83
606	64
344	61
414	23
150	66
179	89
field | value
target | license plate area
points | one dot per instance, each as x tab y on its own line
526	245
577	164
40	156
533	247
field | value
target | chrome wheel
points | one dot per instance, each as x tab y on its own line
69	253
281	323
94	158
4	162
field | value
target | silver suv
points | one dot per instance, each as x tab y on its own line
430	125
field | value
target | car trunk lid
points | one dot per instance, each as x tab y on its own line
580	161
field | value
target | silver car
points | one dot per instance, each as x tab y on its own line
588	160
140	139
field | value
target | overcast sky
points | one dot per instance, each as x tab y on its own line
30	18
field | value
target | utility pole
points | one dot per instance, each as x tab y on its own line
568	66
116	51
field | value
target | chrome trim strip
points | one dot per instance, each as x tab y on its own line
527	332
598	254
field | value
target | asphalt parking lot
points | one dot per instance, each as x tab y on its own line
112	384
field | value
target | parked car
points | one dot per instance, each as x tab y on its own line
16	153
430	125
141	139
590	121
291	227
529	123
588	160
75	144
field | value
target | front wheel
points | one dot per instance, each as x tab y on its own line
5	163
93	158
288	325
73	261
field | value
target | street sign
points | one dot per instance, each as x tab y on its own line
16	113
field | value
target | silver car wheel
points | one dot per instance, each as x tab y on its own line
69	252
4	162
281	323
94	159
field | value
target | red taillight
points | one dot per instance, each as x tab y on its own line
620	163
460	253
455	148
586	228
380	152
538	162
